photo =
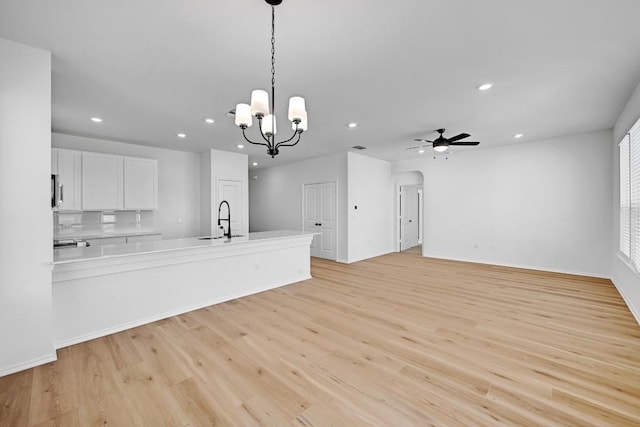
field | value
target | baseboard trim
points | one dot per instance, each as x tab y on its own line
28	364
635	311
523	267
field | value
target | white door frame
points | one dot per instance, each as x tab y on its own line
399	180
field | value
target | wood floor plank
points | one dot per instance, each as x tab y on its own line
395	340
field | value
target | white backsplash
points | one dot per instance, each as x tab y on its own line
78	224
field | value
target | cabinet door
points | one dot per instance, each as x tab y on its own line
101	181
69	171
140	183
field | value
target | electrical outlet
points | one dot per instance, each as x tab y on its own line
179	220
476	245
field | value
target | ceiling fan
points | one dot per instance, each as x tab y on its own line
441	144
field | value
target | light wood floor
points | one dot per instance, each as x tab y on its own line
399	340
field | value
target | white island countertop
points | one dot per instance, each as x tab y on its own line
91	253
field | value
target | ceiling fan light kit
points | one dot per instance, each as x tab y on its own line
263	110
441	144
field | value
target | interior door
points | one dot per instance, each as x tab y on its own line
409	214
320	216
312	215
328	247
231	191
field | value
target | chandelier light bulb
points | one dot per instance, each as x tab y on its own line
269	125
296	108
259	102
243	115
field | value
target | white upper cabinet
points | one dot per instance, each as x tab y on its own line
67	164
102	181
140	183
98	181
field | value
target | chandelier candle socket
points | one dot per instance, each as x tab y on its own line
303	123
264	111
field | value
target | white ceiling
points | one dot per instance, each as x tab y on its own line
153	68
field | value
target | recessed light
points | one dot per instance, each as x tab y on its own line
518	135
182	135
352	125
420	151
485	86
255	163
240	146
96	119
209	121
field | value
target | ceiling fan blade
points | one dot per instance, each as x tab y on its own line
465	143
458	137
418	147
422	140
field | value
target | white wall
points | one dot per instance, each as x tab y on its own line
544	205
625	279
275	195
222	165
178	181
369	190
205	194
25	214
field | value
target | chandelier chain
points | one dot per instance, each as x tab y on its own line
273	46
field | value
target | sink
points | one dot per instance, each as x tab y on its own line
219	237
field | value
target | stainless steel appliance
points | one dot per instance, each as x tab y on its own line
57	191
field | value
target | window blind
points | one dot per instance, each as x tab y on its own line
634	172
625	205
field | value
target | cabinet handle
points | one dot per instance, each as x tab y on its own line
61	194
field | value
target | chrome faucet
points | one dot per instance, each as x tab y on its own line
228	233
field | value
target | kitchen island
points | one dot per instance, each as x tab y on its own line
99	290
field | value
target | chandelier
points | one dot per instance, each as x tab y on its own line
264	112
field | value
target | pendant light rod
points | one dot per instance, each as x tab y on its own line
262	109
